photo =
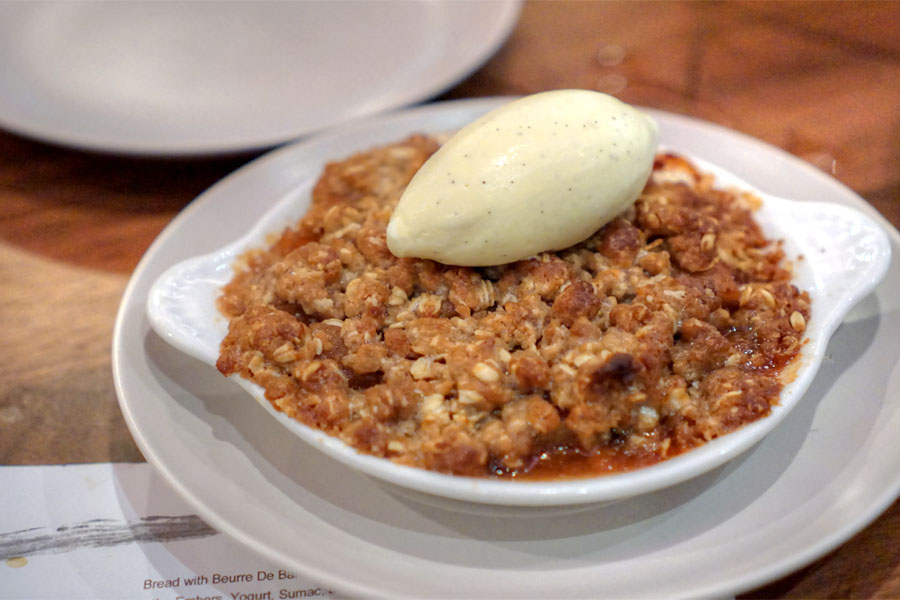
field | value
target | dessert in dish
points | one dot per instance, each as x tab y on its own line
673	324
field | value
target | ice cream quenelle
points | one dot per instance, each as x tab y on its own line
541	173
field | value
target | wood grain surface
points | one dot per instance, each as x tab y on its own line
821	80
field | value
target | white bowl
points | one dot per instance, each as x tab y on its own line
844	256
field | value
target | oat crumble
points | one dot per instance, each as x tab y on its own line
667	328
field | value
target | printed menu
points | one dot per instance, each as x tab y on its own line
111	531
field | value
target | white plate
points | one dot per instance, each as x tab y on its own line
200	77
829	469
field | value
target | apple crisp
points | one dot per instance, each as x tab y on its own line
670	326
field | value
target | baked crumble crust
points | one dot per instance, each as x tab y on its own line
667	328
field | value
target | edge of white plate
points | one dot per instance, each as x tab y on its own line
496	34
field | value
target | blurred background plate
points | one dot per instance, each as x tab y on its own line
160	78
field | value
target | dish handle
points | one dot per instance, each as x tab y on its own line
181	305
847	251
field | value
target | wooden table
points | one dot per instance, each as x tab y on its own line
821	80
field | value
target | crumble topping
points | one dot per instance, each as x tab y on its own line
667	328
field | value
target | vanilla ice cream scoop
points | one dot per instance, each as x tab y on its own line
541	173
